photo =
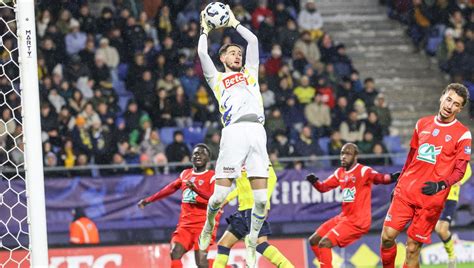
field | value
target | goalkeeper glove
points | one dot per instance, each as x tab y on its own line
312	178
233	22
432	188
394	176
205	29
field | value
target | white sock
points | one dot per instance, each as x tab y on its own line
214	205
258	214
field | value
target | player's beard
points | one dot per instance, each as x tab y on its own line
233	69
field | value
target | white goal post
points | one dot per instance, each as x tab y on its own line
26	30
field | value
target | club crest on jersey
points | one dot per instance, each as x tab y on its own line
435	132
200	182
447	138
428	152
234	79
348	194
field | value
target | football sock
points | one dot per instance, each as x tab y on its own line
258	213
272	254
176	264
449	246
326	257
213	207
388	256
315	249
222	257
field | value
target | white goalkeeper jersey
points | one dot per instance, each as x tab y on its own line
238	93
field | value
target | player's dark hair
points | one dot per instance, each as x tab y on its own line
224	48
205	147
353	145
459	89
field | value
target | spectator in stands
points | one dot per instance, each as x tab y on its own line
56	100
50	53
457	23
100	72
419	22
260	13
326	90
356	83
342	63
359	107
274	63
287	37
87	55
63	22
8	125
68	154
65	122
190	82
334	147
268	96
283	92
318	116
352	130
181	108
162	115
369	93
340	112
90	115
266	33
81	138
293	115
143	89
178	151
274	122
383	114
168	82
42	23
309	48
307	144
367	143
75	40
378	149
106	22
309	19
108	53
153	148
150	30
49	119
134	35
326	48
281	144
86	20
346	89
106	117
460	62
82	229
164	24
214	144
304	92
101	143
281	14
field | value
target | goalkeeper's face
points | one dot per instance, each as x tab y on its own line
232	59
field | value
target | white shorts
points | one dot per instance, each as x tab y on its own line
243	143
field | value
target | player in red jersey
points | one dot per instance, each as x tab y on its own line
439	154
354	221
197	184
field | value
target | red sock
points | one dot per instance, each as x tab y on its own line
176	264
315	249
388	256
325	257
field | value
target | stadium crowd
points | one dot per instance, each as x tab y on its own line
445	30
110	84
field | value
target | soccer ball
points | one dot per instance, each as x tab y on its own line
216	15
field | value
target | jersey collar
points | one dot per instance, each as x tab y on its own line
352	169
200	173
441	124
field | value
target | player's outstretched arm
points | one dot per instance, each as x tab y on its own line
379	178
327	185
207	65
433	187
251	57
168	190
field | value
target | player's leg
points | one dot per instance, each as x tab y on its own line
413	250
224	245
181	242
316	237
442	229
200	256
177	251
272	254
398	215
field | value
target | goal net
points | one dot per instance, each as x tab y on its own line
22	212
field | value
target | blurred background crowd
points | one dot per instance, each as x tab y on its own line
120	81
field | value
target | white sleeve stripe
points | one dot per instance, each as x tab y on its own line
364	169
335	174
465	136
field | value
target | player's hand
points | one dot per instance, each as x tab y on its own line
190	185
432	187
205	29
233	22
394	176
312	178
142	203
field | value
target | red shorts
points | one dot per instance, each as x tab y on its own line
188	237
340	232
423	220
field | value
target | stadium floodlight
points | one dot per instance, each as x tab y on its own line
22	183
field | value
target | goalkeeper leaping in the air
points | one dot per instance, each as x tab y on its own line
243	136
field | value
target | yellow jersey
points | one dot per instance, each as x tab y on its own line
243	190
454	192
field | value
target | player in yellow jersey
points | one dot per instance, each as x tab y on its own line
244	141
442	226
239	224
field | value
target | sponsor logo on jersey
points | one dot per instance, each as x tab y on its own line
234	79
228	169
447	138
425	132
428	152
435	132
388	217
189	196
421	237
467	149
348	194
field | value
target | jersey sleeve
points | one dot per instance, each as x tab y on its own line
208	68
204	193
414	137
168	190
252	56
330	183
463	146
467	174
372	176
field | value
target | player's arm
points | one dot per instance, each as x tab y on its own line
203	194
330	183
467	174
413	148
168	190
206	62
380	178
252	56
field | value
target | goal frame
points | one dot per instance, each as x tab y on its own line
35	194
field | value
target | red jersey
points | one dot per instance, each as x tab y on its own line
356	186
437	146
193	202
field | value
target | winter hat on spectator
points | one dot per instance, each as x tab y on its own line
74	24
144	118
80	121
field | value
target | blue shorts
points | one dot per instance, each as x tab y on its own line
448	211
239	224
